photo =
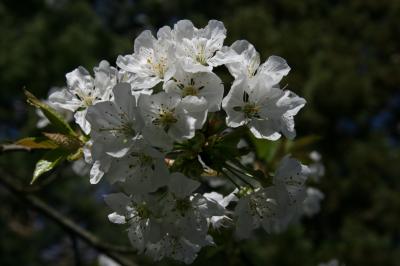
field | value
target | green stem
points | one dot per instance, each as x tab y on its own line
263	178
232	170
237	163
240	169
230	179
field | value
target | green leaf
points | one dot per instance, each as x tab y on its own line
50	160
266	149
70	143
55	118
36	143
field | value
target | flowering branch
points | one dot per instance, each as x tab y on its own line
162	120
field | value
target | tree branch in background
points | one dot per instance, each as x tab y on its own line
67	224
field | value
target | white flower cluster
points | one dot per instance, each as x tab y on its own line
151	127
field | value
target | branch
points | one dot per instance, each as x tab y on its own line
70	226
13	147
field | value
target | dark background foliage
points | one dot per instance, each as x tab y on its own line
345	59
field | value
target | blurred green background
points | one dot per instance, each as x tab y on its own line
345	59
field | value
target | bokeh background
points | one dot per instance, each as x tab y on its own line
345	59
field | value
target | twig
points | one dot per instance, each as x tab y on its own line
70	226
13	147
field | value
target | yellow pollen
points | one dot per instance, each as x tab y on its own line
189	91
251	109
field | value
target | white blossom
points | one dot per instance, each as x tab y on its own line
261	207
187	213
84	91
248	65
140	212
249	61
200	84
224	220
196	48
275	206
115	128
169	118
174	225
153	60
267	111
177	248
293	175
142	169
185	220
